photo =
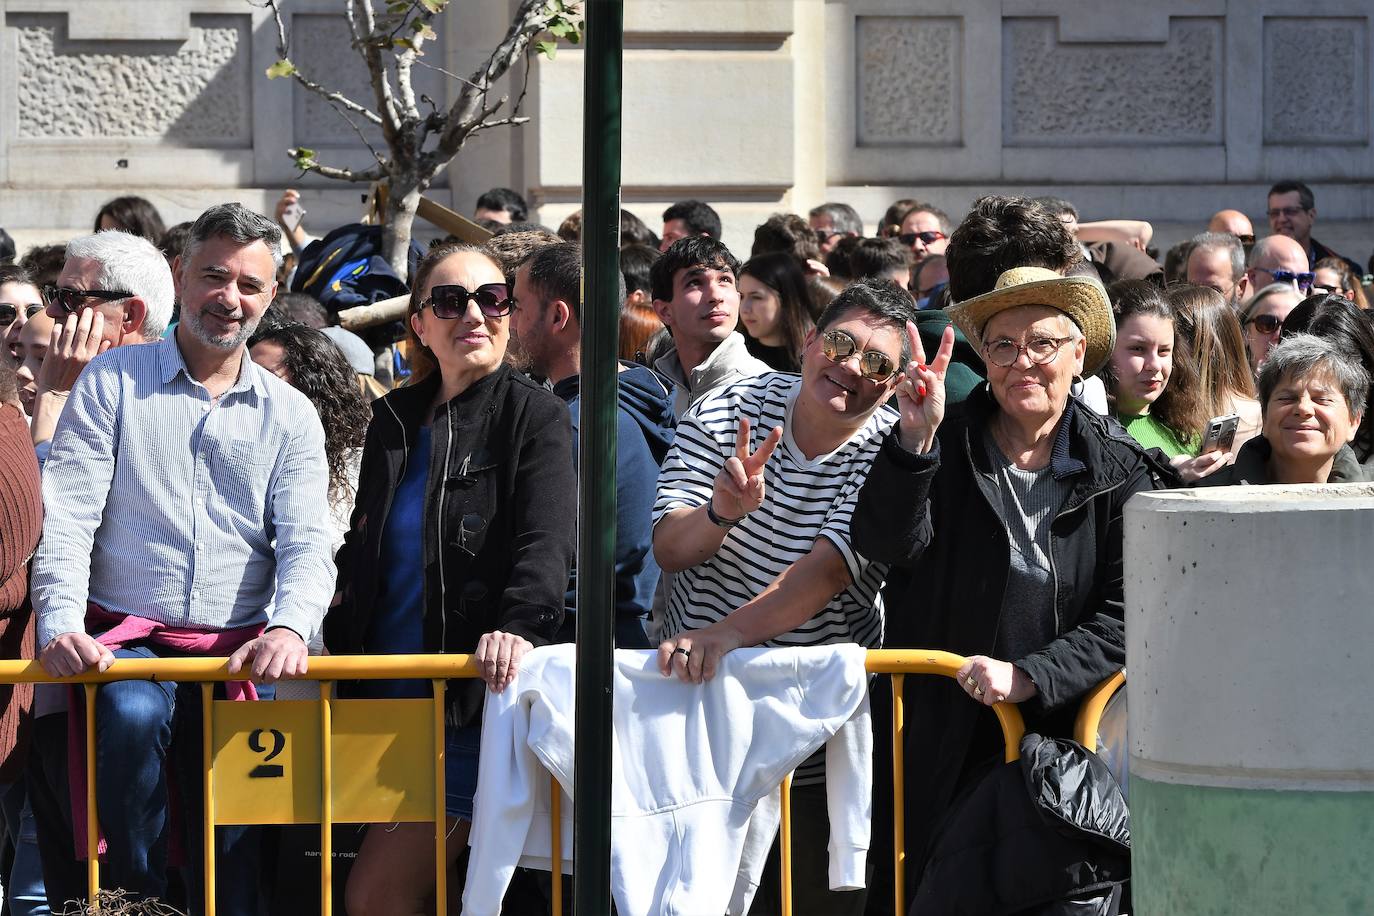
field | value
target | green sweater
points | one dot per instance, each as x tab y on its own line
1151	433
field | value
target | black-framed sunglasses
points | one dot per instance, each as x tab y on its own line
925	238
72	300
1041	351
874	365
8	312
451	301
1265	324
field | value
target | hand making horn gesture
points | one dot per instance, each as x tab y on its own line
739	485
921	392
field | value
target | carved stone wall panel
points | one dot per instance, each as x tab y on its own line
908	82
1315	80
321	47
320	44
1112	94
195	93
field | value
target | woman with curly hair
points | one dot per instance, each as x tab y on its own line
314	365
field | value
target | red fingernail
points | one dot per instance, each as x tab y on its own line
923	367
921	390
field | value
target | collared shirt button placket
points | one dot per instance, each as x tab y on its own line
200	523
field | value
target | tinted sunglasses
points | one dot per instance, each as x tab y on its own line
874	365
71	300
1303	281
10	312
452	301
1266	324
910	238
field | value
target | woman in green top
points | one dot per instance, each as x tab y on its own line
1151	380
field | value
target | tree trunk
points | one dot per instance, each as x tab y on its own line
403	197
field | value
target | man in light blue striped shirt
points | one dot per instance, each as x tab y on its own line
186	487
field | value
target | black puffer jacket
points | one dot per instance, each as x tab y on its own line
937	518
1051	828
500	517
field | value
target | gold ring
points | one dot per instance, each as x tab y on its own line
970	681
978	691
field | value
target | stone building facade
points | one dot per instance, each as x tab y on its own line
1165	111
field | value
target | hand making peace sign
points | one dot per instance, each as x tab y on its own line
738	487
921	392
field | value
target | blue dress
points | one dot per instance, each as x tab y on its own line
397	624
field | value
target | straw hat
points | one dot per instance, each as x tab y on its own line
1081	298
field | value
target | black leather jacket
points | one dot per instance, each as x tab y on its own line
499	521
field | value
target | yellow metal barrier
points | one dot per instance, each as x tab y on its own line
305	738
899	663
310	736
1092	707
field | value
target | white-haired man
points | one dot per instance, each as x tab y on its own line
115	289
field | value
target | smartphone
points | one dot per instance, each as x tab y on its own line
293	216
1220	434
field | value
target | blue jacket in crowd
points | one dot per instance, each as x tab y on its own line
644	433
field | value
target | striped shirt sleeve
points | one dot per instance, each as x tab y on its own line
688	476
82	461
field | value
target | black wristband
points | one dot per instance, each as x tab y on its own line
717	520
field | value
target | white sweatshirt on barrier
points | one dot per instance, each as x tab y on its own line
690	763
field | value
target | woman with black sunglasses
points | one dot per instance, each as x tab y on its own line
20	300
461	539
1263	320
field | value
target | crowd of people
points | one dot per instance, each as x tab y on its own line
920	438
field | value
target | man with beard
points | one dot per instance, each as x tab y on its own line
547	324
183	494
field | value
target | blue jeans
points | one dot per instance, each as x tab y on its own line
144	731
24	884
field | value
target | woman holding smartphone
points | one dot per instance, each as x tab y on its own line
461	540
1207	324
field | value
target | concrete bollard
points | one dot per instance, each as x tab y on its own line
1250	639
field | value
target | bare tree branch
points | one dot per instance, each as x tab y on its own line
503	122
404	60
524	86
337	99
530	19
449	73
353	27
406	166
376	68
344	174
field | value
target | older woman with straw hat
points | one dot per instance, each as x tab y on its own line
1005	518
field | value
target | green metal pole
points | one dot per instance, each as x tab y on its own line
596	459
